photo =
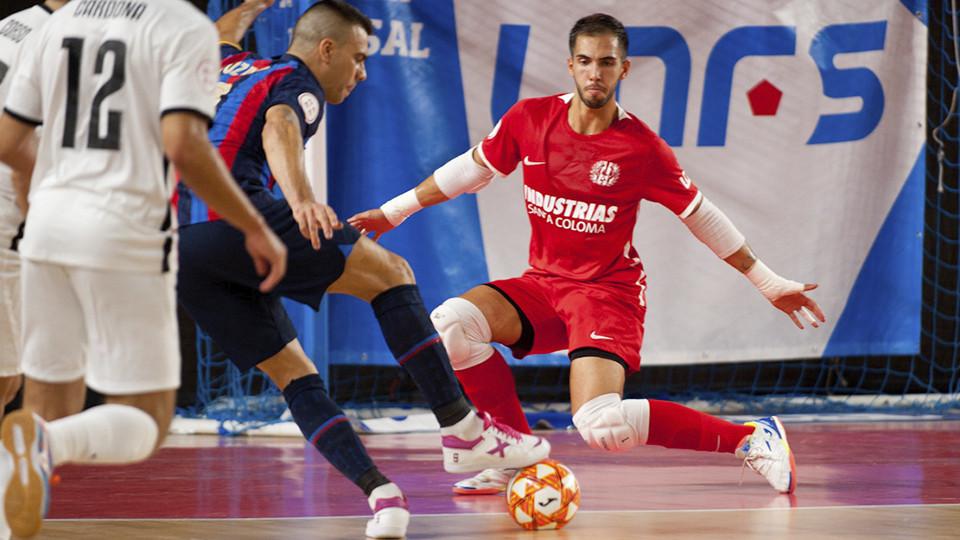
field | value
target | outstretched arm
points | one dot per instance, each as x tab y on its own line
713	228
465	173
283	145
233	25
786	295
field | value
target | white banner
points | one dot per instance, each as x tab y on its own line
809	179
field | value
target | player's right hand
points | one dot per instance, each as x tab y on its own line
269	256
371	221
796	302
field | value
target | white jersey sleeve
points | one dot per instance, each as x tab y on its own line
15	35
23	100
193	67
17	32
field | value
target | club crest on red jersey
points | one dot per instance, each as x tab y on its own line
604	173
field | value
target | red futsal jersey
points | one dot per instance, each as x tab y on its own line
583	192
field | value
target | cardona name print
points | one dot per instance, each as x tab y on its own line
110	9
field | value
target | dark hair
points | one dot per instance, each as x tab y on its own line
600	24
329	18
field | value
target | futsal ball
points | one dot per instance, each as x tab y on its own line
544	495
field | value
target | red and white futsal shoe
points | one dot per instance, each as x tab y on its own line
391	513
479	442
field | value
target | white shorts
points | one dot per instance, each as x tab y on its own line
116	329
9	313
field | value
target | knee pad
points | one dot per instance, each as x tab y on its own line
608	423
464	331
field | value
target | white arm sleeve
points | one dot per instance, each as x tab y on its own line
714	228
462	175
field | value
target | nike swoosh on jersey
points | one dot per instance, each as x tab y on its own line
526	161
594	335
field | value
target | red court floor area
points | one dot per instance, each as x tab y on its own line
843	468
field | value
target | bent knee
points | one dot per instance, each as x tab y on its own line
289	364
611	424
464	331
399	270
374	263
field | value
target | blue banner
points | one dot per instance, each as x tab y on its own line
396	127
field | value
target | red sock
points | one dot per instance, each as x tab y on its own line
676	426
490	386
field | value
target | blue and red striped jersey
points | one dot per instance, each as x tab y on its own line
248	86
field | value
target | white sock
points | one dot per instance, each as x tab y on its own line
385	491
107	434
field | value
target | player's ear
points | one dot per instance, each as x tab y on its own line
625	69
325	49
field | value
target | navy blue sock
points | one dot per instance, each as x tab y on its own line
323	423
415	344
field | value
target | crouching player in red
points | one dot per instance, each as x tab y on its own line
586	159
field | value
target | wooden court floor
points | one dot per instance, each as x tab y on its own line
856	480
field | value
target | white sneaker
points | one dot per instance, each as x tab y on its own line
488	482
391	513
479	442
27	487
767	452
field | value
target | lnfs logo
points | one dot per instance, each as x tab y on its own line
668	45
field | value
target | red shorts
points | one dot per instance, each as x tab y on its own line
571	315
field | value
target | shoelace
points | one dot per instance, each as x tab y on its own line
742	467
752	455
489	421
748	462
749	457
491	475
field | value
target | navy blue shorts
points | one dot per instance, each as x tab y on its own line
218	284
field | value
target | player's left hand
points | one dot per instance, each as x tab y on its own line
797	302
312	217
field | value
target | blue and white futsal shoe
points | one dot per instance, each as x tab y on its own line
25	464
767	452
487	482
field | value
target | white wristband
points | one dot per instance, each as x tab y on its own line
401	207
771	286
